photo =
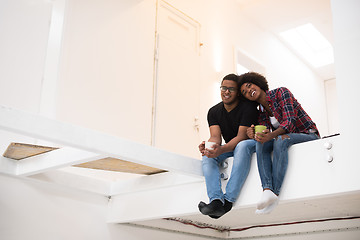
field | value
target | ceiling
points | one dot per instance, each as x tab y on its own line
278	15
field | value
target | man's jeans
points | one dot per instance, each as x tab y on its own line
272	172
240	170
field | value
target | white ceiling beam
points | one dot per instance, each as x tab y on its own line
93	141
158	203
143	183
109	188
74	181
8	166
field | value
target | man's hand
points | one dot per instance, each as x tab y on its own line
215	152
263	137
202	148
250	132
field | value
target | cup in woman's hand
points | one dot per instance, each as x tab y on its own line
259	128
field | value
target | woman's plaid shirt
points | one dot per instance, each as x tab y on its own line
289	113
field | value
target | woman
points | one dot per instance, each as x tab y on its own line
287	124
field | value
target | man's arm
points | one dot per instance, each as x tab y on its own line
228	147
215	136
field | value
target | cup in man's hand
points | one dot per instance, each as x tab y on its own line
209	145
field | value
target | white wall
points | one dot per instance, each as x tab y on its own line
32	210
346	22
347	57
24	29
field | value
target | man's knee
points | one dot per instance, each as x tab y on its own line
208	161
204	160
244	150
246	145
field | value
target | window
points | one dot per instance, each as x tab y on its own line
310	44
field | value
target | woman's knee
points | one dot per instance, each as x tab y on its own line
282	142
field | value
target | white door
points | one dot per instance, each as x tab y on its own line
176	82
332	107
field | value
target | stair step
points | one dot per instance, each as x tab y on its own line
19	151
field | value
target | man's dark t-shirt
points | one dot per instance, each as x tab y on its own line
244	114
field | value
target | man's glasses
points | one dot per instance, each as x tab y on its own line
224	89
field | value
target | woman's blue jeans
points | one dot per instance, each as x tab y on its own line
240	170
272	172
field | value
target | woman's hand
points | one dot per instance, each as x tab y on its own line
263	137
250	132
266	135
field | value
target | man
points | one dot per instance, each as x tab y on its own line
229	120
